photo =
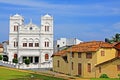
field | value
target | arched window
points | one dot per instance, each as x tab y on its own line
36	42
31	42
46	57
15	28
15	42
15	56
24	42
46	44
46	28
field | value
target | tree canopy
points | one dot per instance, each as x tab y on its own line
115	38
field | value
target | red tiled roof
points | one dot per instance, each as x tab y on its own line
60	53
85	47
89	46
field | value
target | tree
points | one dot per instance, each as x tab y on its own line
27	61
115	38
1	57
15	60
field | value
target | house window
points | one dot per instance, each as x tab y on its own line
79	55
72	65
15	44
30	44
46	44
58	63
99	69
89	67
24	44
72	54
88	55
118	67
46	57
15	28
102	53
36	44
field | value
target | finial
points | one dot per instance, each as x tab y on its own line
30	20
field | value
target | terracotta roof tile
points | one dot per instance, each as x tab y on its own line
90	46
85	47
60	53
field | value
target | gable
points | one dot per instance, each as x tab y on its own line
117	46
115	60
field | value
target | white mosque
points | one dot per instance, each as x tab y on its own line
31	41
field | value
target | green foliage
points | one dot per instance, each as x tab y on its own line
119	76
104	76
27	61
115	38
1	57
15	60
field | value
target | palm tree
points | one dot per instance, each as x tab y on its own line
115	38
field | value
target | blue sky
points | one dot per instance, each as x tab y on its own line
83	19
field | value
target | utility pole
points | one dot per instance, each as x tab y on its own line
71	61
18	28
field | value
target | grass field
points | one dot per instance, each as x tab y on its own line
15	74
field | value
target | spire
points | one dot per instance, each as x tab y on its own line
30	21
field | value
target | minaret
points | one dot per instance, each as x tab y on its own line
46	38
15	20
47	29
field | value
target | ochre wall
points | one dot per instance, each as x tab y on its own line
63	66
1	50
109	68
96	59
109	54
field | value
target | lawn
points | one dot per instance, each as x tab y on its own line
16	74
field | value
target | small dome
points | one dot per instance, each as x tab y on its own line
17	15
47	15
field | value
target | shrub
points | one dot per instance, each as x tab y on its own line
119	76
15	60
27	61
104	76
1	57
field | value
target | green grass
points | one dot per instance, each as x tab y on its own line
105	79
14	74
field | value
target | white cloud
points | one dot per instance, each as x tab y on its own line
99	9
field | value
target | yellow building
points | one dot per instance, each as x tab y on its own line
87	59
1	49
